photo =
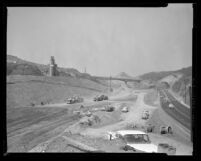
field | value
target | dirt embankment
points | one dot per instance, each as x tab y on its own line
24	90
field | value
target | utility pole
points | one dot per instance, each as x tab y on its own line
110	82
185	91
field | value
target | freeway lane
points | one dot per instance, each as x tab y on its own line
179	113
179	106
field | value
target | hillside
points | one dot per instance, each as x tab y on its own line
177	81
11	60
27	83
23	69
23	90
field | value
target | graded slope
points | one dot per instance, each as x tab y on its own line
24	90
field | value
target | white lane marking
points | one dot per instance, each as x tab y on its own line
178	110
176	123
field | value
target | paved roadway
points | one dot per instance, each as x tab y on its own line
180	112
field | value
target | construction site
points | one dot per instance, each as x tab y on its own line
99	79
94	122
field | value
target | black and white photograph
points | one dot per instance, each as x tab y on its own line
99	79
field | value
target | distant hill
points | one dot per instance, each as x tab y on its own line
15	62
155	76
123	75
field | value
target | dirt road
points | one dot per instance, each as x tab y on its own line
134	117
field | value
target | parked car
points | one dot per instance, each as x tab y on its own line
150	128
166	130
166	148
137	141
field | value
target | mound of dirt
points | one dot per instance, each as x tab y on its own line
89	121
83	124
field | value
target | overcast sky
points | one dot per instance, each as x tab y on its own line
104	40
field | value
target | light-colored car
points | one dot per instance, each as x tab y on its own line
137	140
124	109
171	105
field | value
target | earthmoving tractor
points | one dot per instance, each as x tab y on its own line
75	99
109	108
145	115
101	98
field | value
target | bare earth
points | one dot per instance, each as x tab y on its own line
96	138
55	128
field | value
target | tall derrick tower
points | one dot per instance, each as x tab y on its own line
52	67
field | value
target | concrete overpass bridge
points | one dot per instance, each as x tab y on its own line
120	79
